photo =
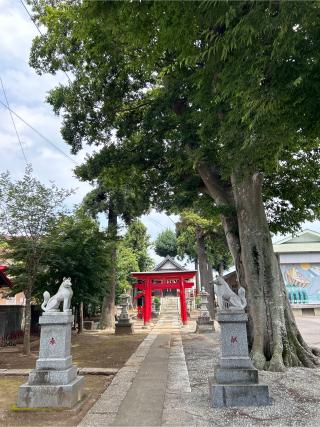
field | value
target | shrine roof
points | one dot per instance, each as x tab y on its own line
164	272
169	264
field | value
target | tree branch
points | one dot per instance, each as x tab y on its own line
217	188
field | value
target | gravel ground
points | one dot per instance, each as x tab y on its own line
295	393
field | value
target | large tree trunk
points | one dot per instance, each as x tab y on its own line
196	267
276	340
221	192
27	319
107	318
273	334
80	318
206	277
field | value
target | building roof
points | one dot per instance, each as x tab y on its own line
162	272
169	264
304	241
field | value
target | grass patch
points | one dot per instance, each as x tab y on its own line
15	408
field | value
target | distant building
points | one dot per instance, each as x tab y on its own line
5	288
11	307
299	258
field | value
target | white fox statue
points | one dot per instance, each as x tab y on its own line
63	295
227	299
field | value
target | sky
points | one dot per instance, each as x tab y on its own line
26	92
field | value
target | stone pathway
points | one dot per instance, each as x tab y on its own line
165	383
143	391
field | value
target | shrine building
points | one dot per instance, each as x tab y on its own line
168	278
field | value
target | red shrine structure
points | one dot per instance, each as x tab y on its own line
4	279
167	278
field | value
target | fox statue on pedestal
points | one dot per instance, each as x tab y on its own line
227	299
63	295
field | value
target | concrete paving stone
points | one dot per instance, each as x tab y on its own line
97	420
105	409
124	377
116	390
105	405
147	392
129	369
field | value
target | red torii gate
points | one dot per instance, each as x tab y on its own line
149	281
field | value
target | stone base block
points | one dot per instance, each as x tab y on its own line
235	376
204	325
90	325
227	395
124	328
146	326
236	362
52	377
204	321
50	396
54	363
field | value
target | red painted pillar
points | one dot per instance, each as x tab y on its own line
145	305
183	304
150	302
147	302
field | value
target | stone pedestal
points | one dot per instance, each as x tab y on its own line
124	326
204	325
204	322
235	381
54	382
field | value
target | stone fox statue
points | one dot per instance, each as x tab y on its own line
64	295
226	297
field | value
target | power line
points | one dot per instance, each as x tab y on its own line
171	220
156	222
38	133
13	122
40	32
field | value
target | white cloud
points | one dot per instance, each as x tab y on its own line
26	92
16	33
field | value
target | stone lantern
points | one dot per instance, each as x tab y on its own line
124	325
204	322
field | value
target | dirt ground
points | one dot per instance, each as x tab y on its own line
90	349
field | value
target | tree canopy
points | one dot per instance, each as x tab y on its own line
166	243
226	89
192	227
201	98
76	248
28	212
138	240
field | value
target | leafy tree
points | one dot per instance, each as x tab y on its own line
75	248
204	237
213	94
28	212
137	239
127	262
118	199
166	244
132	255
